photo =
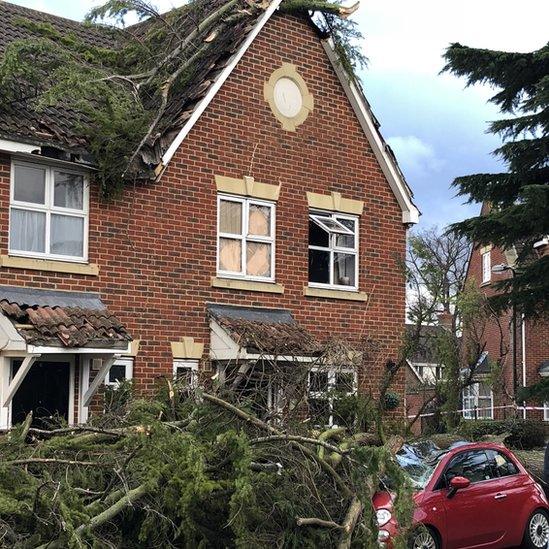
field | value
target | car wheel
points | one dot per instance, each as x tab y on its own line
536	535
423	538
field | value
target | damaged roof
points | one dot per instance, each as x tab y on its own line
58	126
62	319
262	330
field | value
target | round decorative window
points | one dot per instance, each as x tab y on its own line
288	96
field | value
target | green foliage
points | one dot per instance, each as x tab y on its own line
202	479
391	400
525	434
538	391
518	199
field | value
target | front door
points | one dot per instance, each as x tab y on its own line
44	391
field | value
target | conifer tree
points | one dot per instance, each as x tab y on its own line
518	198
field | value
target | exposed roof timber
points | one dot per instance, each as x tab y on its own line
410	213
201	107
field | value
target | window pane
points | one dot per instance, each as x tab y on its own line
343	240
344	382
258	259
319	411
472	465
230	255
67	235
319	266
344	269
318	382
117	373
30	184
504	466
68	191
230	217
318	237
259	222
184	375
27	231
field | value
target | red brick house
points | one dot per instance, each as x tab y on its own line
276	204
520	365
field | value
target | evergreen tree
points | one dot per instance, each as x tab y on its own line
519	198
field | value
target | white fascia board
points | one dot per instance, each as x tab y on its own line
410	213
10	338
201	107
7	145
76	350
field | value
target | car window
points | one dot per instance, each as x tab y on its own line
473	465
503	465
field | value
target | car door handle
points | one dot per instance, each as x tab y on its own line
500	496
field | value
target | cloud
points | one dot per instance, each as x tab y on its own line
416	156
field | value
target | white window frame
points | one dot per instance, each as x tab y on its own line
188	364
49	208
333	249
128	364
328	395
244	237
486	267
546	411
470	397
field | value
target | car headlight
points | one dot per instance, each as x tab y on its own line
383	517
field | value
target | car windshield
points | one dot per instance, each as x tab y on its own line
419	460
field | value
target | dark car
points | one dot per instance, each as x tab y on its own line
472	495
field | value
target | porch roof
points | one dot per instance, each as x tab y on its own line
262	330
53	318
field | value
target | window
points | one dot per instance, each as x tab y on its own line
333	251
326	396
503	465
121	370
486	267
546	411
246	238
473	465
478	401
185	372
48	212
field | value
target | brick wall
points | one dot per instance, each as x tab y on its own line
498	339
156	245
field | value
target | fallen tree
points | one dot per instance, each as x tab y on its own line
195	469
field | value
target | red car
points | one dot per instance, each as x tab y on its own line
472	495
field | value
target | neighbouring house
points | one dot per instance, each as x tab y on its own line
277	215
518	361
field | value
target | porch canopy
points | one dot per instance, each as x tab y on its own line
250	332
36	322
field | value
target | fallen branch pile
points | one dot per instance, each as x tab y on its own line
196	472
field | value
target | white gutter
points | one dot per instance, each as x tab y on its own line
17	147
201	107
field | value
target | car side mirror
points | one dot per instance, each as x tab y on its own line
457	483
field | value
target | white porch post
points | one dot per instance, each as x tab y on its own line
98	379
18	378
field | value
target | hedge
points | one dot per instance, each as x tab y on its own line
524	434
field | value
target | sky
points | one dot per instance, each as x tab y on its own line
436	127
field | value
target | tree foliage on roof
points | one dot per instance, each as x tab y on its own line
129	93
518	198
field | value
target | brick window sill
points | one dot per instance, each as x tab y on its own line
334	294
248	285
90	269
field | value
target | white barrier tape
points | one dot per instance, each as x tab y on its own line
472	411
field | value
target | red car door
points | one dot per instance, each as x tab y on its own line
473	514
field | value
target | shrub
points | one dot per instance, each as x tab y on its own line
391	400
523	433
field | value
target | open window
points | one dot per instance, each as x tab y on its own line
333	251
246	238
